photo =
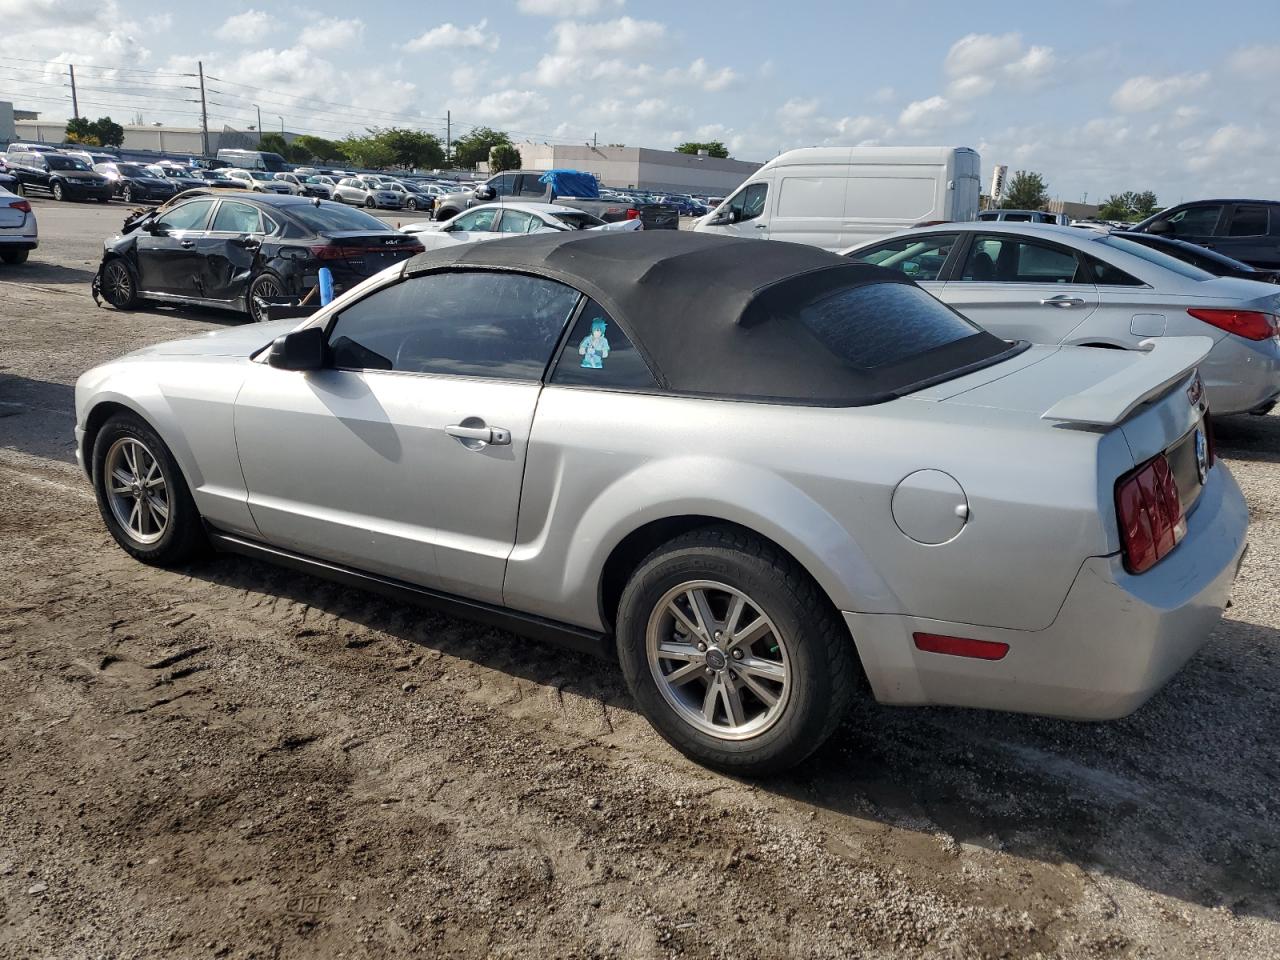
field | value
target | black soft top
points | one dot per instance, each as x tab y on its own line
715	315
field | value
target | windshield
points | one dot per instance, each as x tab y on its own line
333	216
1156	257
66	163
259	175
132	170
578	221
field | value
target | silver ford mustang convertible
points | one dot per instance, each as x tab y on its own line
762	476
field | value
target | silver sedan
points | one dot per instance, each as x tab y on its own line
1051	284
753	473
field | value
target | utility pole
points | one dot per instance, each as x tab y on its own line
75	104
204	112
448	135
594	144
259	109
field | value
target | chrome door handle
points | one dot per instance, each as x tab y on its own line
1062	300
188	244
495	435
762	226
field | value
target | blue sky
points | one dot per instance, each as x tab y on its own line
1098	96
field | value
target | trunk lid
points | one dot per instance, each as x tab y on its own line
369	253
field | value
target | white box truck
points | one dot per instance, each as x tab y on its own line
835	197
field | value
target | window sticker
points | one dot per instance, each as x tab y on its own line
594	348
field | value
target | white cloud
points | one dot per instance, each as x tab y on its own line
559	70
884	95
449	36
566	8
1257	60
505	106
979	62
624	35
330	33
708	78
1146	93
248	27
929	114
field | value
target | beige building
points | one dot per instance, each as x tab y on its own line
641	168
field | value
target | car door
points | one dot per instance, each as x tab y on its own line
529	187
515	222
473	225
1251	233
1021	287
1194	223
405	457
228	249
742	215
167	250
34	172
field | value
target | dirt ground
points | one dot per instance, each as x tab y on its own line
238	761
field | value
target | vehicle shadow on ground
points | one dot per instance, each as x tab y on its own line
1248	438
37	417
36	271
1182	798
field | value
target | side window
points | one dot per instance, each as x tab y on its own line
1007	259
1197	221
499	325
748	203
920	258
477	221
1248	220
234	217
1104	274
188	216
516	221
598	354
527	185
504	185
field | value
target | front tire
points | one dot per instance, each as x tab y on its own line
119	284
142	496
411	204
57	191
127	194
369	202
733	652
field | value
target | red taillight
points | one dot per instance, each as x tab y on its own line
633	213
960	646
1250	324
20	205
335	252
1150	514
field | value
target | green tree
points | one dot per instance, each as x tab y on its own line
1118	206
103	132
411	148
367	151
1145	204
475	146
1025	191
714	148
315	148
503	157
273	143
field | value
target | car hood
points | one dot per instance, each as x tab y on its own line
233	342
148	181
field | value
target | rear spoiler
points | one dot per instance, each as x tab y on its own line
1159	365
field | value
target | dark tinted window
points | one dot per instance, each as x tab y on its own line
920	258
1158	257
188	216
334	216
1010	259
882	323
598	354
66	163
749	202
1248	221
1197	221
469	324
1109	276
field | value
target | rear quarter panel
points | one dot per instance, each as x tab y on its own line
819	482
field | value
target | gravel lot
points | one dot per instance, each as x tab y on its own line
237	761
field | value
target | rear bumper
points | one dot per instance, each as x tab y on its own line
1117	639
1241	375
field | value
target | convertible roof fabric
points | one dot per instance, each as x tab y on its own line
716	315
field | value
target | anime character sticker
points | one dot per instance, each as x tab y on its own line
594	348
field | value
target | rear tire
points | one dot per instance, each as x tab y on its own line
119	284
14	257
751	702
263	285
18	190
142	496
411	204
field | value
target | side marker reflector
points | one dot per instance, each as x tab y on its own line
961	646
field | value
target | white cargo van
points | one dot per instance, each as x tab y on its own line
835	197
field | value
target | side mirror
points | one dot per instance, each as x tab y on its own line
301	350
1161	228
155	228
485	193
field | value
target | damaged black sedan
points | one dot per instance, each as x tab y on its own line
242	251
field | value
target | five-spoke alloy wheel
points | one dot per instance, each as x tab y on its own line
136	490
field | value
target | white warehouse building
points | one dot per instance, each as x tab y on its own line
641	168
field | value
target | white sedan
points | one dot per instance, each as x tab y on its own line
493	221
18	235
